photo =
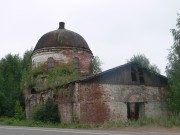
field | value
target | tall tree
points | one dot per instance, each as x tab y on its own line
172	70
11	69
95	67
10	73
2	105
26	61
26	67
142	60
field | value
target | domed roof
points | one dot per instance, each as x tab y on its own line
61	38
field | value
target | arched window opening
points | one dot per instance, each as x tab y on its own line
50	63
77	63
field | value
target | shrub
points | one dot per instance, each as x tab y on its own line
42	79
61	75
19	113
47	112
38	113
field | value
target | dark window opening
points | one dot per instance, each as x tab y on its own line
33	91
50	63
76	63
133	74
140	71
128	111
141	77
135	110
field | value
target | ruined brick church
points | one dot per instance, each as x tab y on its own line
125	92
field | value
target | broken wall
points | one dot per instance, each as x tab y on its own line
98	103
34	99
65	102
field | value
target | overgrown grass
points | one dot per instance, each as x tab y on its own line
15	122
173	120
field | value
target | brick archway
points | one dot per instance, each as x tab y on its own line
135	105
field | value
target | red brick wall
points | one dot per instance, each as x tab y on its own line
63	56
86	104
92	107
84	57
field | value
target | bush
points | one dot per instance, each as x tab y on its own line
38	114
61	75
47	112
42	79
19	113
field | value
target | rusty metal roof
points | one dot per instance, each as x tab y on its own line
62	38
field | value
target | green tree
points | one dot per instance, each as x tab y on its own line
26	61
19	113
10	73
2	96
2	105
95	67
11	70
26	68
142	60
172	70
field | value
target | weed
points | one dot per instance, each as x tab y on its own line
171	120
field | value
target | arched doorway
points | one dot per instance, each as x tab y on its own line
135	107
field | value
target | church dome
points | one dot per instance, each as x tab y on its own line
61	38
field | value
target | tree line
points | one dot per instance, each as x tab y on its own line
12	68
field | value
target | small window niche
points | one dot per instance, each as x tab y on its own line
77	63
50	62
133	74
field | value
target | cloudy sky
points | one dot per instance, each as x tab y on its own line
115	30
